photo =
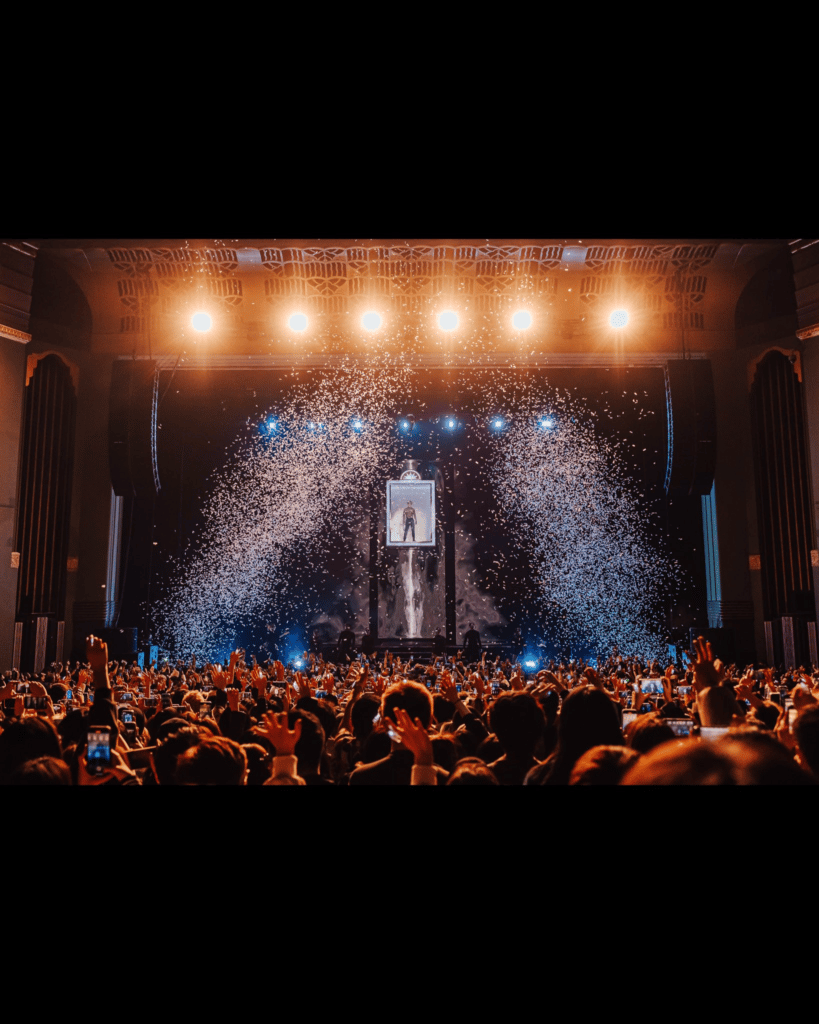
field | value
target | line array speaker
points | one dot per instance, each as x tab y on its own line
132	428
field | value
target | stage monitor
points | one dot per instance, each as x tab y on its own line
411	513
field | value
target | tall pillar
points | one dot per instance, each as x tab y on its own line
729	514
12	381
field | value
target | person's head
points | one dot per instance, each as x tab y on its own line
42	771
363	714
446	751
602	766
26	739
587	719
761	760
649	731
684	763
172	742
258	763
442	708
311	742
57	692
214	761
412	697
806	731
517	720
471	771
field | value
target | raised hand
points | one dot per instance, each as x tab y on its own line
275	728
449	690
96	651
233	693
414	737
219	678
708	670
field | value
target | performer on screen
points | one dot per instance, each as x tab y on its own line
472	644
409	520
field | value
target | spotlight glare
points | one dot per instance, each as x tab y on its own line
497	423
201	322
521	320
530	664
448	320
298	322
404	424
358	425
371	321
547	424
451	424
619	318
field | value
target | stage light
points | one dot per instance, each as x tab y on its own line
529	663
298	322
272	424
298	663
201	322
546	423
497	423
619	318
451	423
521	320
311	425
357	425
371	321
447	320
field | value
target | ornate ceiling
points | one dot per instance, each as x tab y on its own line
136	288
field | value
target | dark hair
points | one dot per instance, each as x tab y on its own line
683	764
25	739
42	771
806	730
412	697
364	711
170	748
587	719
517	720
471	771
602	766
311	742
258	763
443	709
446	751
214	761
648	732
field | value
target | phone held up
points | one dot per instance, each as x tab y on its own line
99	749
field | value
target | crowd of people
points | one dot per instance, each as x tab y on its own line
387	722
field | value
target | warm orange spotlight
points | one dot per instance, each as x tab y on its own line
298	322
371	321
619	318
448	320
201	322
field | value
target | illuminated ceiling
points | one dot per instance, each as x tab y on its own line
143	293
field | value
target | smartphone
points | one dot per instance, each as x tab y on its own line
495	689
680	726
458	687
684	690
792	716
69	694
651	686
204	710
127	696
712	733
320	694
23	687
99	749
35	703
628	718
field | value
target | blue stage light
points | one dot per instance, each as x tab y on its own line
497	423
529	663
547	423
357	425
